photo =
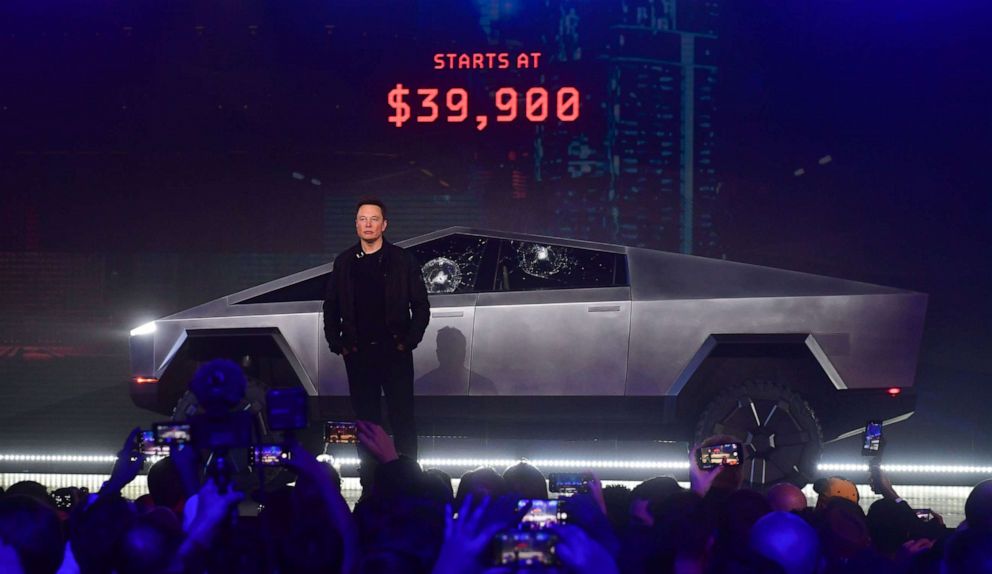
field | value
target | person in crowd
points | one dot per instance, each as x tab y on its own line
480	482
401	521
30	536
405	523
968	551
787	540
617	499
734	520
440	484
32	489
786	497
835	487
978	507
647	495
165	486
149	544
843	531
524	480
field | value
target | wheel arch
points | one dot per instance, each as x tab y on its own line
274	361
793	359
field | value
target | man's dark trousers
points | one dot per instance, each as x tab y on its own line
379	368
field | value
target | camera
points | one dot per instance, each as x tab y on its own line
710	457
268	455
171	433
569	482
286	408
340	432
543	513
925	514
522	548
872	439
67	498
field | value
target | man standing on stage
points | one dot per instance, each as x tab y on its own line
375	313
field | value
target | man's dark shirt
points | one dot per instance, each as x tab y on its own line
405	305
370	298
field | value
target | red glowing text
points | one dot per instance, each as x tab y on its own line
536	105
486	61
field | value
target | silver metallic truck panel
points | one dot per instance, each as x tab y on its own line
871	340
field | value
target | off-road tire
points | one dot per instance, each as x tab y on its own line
781	435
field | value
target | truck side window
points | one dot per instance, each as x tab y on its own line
527	266
451	264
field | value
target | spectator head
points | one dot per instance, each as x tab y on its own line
617	498
149	544
843	530
402	477
683	531
835	486
144	503
95	530
648	495
298	534
890	524
33	531
735	518
978	508
525	480
730	478
411	529
166	486
309	490
786	497
787	540
481	482
969	551
34	490
439	485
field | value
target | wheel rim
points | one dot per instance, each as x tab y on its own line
775	442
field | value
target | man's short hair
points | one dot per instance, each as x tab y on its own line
978	508
372	201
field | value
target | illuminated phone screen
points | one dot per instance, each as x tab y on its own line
340	433
873	438
542	514
526	548
726	454
270	455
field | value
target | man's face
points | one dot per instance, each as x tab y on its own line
369	223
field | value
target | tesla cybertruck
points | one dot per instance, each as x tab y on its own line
537	336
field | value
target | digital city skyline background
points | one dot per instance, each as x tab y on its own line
158	156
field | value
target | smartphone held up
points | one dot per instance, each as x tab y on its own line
727	454
872	441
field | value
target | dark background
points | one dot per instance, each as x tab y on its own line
154	156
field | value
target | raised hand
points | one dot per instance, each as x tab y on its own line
701	480
581	554
127	466
468	537
375	439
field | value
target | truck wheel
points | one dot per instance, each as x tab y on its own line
781	435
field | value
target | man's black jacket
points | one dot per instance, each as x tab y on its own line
407	308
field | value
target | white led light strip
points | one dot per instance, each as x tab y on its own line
909	468
541	463
57	458
560	463
546	463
